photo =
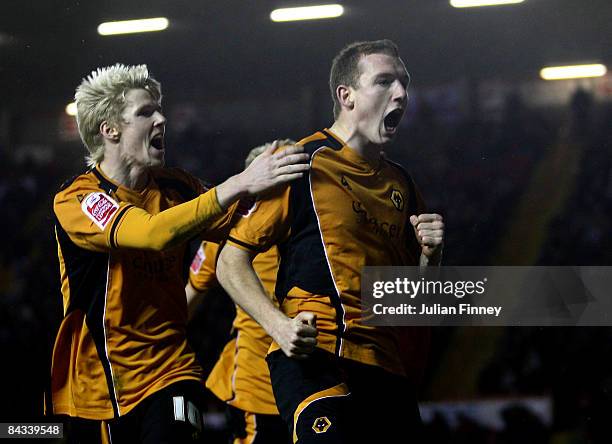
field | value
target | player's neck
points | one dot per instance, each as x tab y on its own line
356	141
132	177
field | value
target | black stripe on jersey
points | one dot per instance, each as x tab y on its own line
303	261
331	141
245	245
107	186
183	189
116	223
87	275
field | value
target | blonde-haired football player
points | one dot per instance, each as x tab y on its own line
122	228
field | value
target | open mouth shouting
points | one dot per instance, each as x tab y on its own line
157	141
392	120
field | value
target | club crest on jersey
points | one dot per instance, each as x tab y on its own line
397	199
198	259
100	208
321	424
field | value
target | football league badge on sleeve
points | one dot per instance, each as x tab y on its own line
99	208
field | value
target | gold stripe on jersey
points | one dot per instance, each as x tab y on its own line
123	333
241	376
343	215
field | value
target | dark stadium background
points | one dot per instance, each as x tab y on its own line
520	168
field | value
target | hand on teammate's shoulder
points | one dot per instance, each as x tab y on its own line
274	167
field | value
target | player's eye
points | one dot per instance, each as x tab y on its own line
146	112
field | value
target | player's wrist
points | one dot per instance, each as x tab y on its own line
231	190
431	257
278	326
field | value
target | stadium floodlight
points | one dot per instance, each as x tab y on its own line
573	72
306	13
133	26
71	109
475	3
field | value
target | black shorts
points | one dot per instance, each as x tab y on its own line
324	399
255	428
172	415
84	431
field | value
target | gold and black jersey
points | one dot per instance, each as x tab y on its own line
241	376
343	215
123	333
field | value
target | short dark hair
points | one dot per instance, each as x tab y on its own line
345	70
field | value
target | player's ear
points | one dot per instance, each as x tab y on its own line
345	96
109	132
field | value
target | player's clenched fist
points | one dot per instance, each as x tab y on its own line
298	337
429	231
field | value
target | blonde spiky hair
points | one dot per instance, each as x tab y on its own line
101	97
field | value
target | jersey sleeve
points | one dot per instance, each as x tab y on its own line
96	221
217	228
202	272
142	230
265	224
88	215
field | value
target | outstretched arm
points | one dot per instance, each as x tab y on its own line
136	228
